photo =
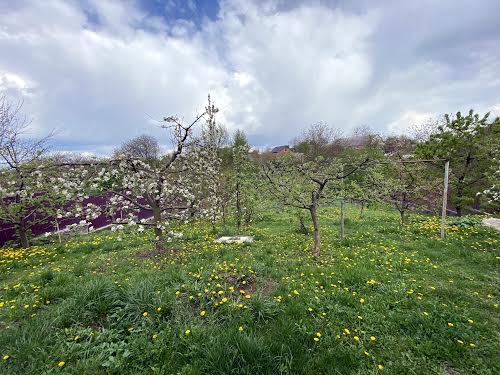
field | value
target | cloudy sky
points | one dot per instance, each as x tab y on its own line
100	71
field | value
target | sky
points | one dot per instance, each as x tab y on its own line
99	72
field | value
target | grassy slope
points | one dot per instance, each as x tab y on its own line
398	299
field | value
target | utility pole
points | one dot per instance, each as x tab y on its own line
445	199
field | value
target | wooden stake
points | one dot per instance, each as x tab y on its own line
58	231
342	219
445	199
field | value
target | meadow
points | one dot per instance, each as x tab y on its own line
385	300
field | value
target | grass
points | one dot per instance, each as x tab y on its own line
385	300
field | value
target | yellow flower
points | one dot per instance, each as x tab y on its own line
318	334
373	338
155	336
362	300
158	309
356	338
61	363
145	313
316	339
472	345
380	367
460	342
310	309
187	332
203	312
347	332
240	329
470	321
451	325
6	357
296	292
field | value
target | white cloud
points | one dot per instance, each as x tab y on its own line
271	66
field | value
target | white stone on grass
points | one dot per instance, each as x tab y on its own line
235	239
493	223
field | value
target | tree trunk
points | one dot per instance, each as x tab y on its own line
58	230
22	235
362	211
158	231
402	214
317	240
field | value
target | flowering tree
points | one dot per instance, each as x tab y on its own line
493	192
306	185
208	173
164	186
28	187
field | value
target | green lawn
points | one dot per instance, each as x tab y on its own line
384	300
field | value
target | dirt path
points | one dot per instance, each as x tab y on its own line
493	223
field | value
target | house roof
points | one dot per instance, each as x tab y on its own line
279	148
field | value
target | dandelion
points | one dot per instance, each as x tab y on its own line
470	321
187	332
362	300
296	292
472	345
61	363
373	338
460	342
202	313
318	334
6	357
240	328
356	338
145	313
158	309
451	325
380	367
346	331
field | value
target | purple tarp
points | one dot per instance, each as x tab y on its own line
8	233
